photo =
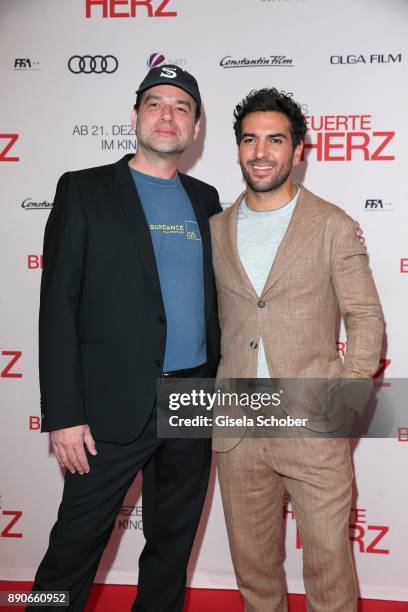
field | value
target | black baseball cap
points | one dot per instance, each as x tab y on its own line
168	74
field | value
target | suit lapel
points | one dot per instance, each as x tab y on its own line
202	219
129	200
305	222
231	255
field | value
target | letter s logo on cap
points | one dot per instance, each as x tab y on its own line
169	73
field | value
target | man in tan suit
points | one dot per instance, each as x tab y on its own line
284	261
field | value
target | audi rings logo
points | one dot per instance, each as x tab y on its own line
96	64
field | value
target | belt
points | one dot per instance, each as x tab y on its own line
186	373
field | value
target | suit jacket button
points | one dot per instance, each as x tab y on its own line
261	304
162	319
253	344
157	363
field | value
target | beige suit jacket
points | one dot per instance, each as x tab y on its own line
320	266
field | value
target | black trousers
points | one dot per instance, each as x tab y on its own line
175	479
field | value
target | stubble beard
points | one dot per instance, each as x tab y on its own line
160	146
268	184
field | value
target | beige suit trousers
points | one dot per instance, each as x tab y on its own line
318	476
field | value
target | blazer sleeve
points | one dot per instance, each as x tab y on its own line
62	401
215	203
361	311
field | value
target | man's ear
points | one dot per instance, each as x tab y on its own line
196	130
133	119
298	153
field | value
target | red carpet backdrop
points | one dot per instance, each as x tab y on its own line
69	70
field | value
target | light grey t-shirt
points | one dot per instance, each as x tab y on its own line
259	235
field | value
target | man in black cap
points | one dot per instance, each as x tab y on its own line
127	297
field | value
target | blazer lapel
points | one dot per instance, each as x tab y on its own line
202	219
231	255
305	222
129	200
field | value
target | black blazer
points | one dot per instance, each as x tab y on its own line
102	328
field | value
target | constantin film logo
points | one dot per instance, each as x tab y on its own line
267	61
8	522
374	58
108	9
30	204
157	59
93	64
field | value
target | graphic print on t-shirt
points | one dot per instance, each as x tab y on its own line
178	250
189	229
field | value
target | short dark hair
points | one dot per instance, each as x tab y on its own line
265	100
139	101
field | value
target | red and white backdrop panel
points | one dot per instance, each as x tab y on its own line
69	70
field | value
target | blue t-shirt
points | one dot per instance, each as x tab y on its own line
179	256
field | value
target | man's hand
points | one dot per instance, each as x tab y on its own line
68	446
